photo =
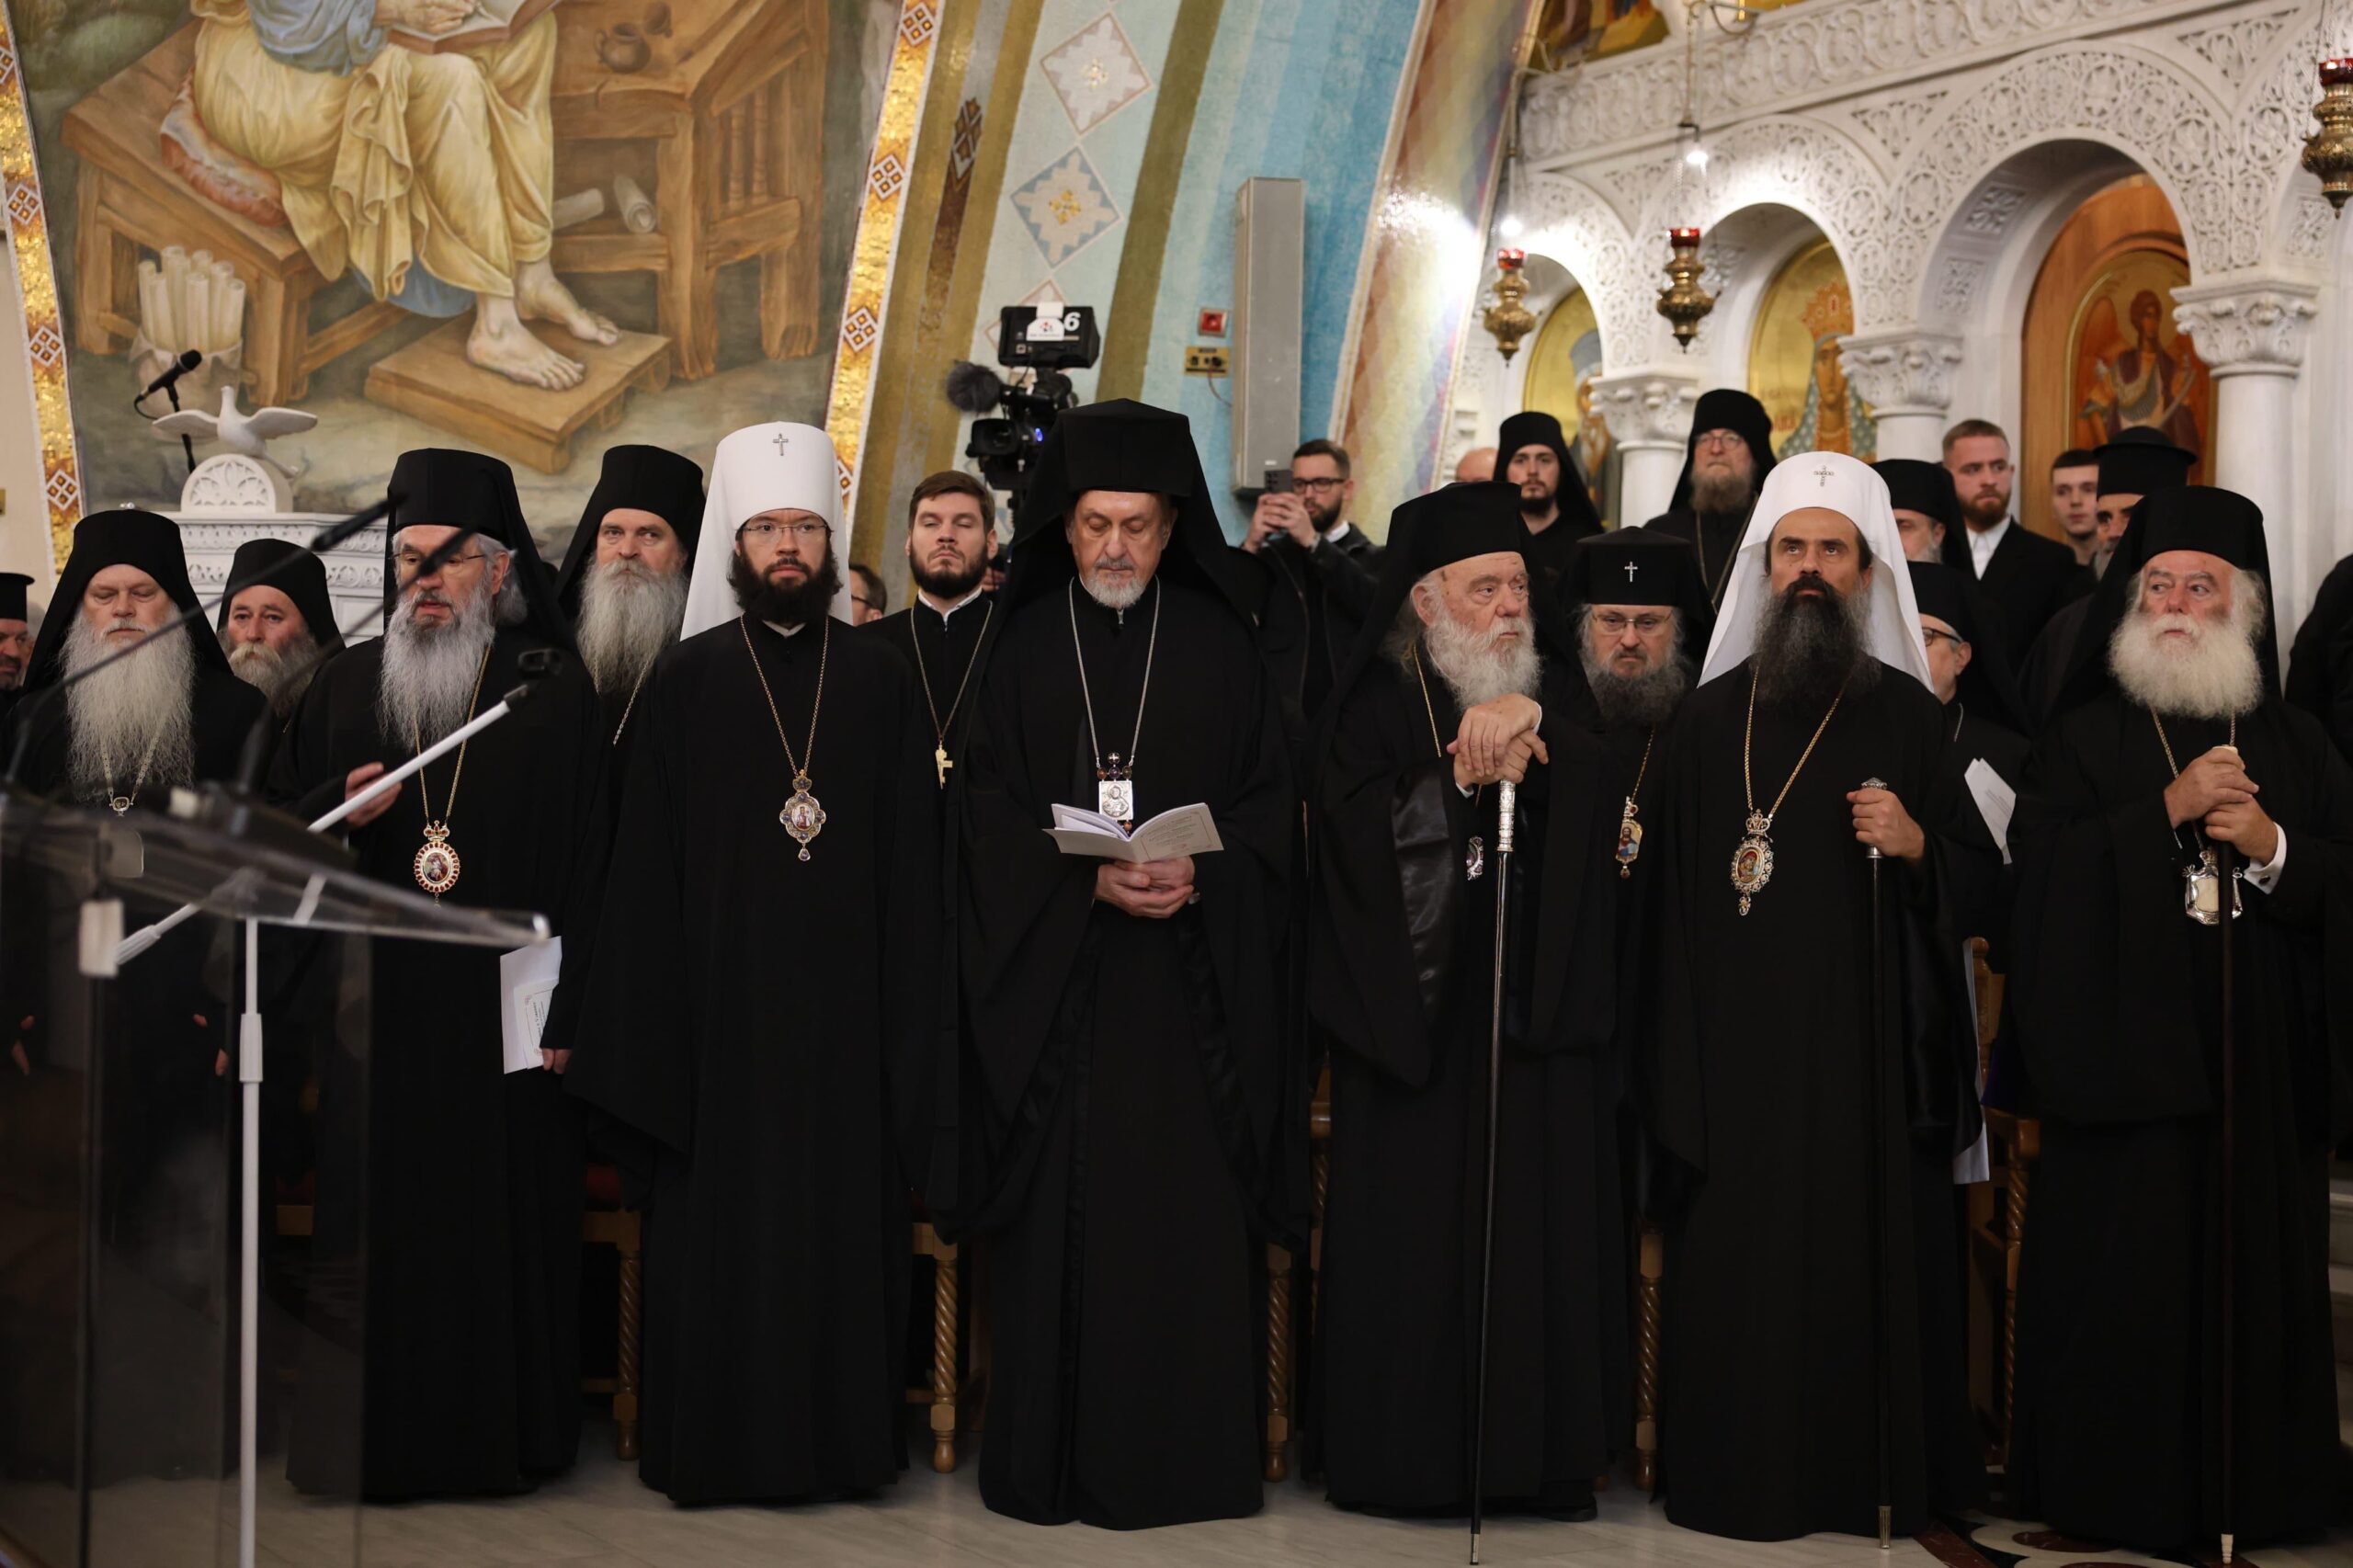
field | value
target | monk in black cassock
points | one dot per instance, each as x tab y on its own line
279	628
776	1250
1724	466
623	585
15	639
168	714
1136	1101
952	519
1970	673
1454	689
2175	740
1761	1042
473	1196
1533	451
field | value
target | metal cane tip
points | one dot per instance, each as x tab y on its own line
2230	1543
1474	1552
1886	1531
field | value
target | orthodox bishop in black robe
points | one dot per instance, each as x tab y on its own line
761	999
473	1174
1402	973
2118	994
1132	1078
1772	1079
1557	517
1712	502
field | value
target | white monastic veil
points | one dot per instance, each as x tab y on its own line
756	470
1850	489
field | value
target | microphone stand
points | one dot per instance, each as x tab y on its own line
1507	800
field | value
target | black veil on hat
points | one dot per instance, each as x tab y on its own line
2216	522
1987	688
648	479
1533	428
294	572
442	487
12	603
1726	408
2141	461
1915	485
127	537
1664	571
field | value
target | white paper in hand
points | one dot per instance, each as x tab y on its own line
1186	830
526	979
1995	801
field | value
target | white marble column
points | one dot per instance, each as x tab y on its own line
1906	377
1650	422
2251	334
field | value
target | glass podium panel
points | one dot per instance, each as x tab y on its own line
125	1125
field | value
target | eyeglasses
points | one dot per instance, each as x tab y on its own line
411	561
1719	438
1321	486
765	532
1931	636
1614	624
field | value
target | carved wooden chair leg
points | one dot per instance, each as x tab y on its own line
945	1283
2013	1242
1278	1363
1652	1268
632	1317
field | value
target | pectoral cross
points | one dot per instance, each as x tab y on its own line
782	441
940	760
1826	473
1630	573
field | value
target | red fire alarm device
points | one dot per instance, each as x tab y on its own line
1213	324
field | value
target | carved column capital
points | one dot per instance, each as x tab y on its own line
2255	327
1647	408
1902	372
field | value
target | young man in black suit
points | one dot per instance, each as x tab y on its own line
2026	577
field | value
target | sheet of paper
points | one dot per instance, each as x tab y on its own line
526	979
1995	801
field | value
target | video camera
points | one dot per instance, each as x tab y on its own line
1042	349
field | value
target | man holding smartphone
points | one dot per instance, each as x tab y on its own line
1317	574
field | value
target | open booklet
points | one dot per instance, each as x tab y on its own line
1186	830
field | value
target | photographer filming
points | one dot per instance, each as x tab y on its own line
1316	571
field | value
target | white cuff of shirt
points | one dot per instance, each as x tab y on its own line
2266	876
1467	794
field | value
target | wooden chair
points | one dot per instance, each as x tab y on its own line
1996	1238
1650	1273
941	1392
1281	1375
608	1222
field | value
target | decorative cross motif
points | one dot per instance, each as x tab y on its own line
1630	573
1826	473
782	441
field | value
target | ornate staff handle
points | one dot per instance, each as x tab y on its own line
1507	805
1873	851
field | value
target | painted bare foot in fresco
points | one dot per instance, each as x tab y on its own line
501	342
540	296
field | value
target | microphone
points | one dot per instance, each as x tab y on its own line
974	388
188	360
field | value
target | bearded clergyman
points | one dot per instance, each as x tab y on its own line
1134	1088
624	577
1816	1261
1724	467
1459	691
781	811
281	628
2177	805
473	1190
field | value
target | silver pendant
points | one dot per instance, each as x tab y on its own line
121	805
1115	794
803	816
1474	864
2202	891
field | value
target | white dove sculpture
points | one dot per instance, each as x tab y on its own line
240	432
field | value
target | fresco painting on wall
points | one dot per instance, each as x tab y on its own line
514	225
1793	365
1562	366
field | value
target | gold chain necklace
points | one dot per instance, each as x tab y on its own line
1752	862
803	816
2201	897
1474	857
938	725
436	866
1629	832
630	705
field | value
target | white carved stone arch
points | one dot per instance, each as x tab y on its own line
2301	233
1568	221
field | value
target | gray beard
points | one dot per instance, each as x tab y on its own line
429	677
1719	493
1477	668
140	711
1119	593
628	615
1650	698
1809	651
2216	676
282	678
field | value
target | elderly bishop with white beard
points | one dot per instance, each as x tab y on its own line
473	1190
2175	784
1458	691
1819	1133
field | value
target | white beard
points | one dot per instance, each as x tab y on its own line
628	615
1479	667
430	676
1114	590
280	677
140	710
2213	675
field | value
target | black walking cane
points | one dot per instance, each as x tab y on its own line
2227	906
1507	799
1877	1132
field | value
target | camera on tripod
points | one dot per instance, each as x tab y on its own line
1017	414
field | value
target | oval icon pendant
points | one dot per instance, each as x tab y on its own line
803	816
1752	862
436	865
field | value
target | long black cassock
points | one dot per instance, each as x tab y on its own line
473	1175
762	1020
1134	1095
2117	998
1758	1038
1402	949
